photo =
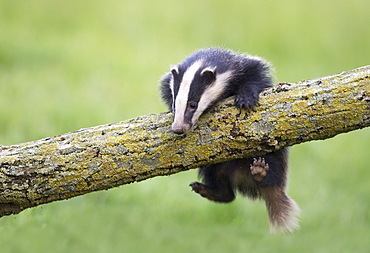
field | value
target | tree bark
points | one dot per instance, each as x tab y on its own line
107	156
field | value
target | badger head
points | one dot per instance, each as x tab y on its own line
193	89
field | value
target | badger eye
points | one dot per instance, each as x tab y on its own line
193	105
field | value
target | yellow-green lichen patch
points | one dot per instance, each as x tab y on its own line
107	156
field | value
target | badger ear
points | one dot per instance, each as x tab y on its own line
209	73
174	71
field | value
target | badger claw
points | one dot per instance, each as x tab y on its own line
245	102
196	187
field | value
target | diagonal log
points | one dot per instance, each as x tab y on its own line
107	156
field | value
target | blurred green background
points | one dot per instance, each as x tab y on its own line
66	65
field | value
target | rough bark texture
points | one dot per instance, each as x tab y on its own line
107	156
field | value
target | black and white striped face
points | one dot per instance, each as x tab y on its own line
194	90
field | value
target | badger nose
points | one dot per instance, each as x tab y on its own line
180	128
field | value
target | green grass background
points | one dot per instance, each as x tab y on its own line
66	65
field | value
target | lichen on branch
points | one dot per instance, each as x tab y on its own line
107	156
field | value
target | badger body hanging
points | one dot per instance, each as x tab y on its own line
196	85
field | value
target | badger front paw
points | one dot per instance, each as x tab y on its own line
259	169
248	102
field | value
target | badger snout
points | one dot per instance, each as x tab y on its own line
180	128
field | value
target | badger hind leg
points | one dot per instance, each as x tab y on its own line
216	182
282	210
270	175
219	194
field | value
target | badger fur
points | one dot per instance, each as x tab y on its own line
197	84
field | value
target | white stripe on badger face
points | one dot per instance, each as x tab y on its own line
212	93
182	96
171	84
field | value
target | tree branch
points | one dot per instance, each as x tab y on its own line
107	156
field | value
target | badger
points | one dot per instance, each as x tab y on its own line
193	87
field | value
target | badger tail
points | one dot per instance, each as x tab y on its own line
282	210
